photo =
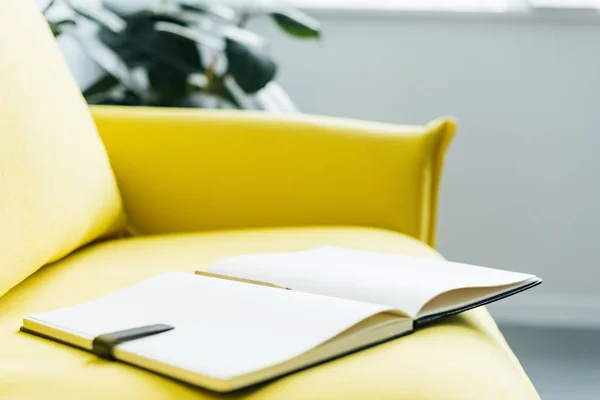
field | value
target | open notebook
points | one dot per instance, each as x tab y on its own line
228	334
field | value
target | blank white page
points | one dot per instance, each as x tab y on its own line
223	328
405	283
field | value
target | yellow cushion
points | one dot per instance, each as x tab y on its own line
57	190
191	170
463	357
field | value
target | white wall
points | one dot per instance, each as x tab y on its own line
522	184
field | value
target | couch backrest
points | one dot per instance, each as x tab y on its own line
57	190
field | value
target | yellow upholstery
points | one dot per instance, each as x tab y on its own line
57	190
462	358
188	170
188	178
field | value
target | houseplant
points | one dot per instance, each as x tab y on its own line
174	53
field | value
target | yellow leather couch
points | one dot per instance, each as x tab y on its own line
83	214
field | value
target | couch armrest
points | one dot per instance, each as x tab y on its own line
191	170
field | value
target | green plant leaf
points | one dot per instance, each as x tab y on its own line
102	16
153	45
102	85
162	46
243	36
48	6
206	7
189	34
109	60
251	68
274	99
297	23
58	27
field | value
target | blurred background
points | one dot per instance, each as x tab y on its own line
522	180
